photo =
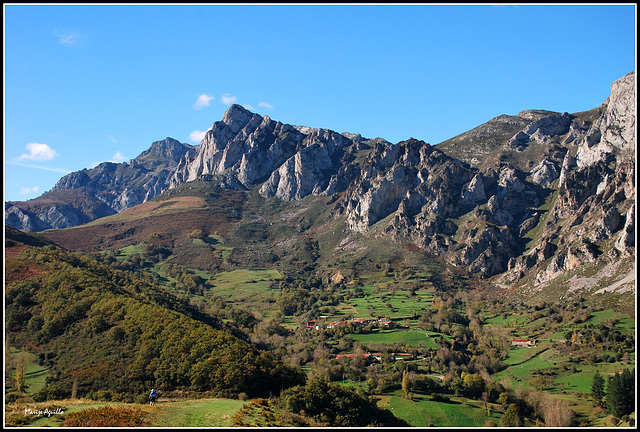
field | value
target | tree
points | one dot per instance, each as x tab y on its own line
8	362
620	396
511	417
598	389
556	413
473	384
20	378
336	406
406	385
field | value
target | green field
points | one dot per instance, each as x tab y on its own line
196	413
408	337
245	286
420	411
35	374
386	296
625	323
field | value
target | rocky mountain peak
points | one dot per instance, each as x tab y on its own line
245	149
168	150
534	115
237	117
614	131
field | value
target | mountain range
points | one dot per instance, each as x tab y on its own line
522	198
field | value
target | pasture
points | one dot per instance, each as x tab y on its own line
245	287
421	411
408	337
34	376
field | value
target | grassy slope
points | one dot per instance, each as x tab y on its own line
186	413
421	411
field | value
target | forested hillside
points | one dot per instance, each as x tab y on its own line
101	329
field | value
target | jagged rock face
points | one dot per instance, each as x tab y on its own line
541	130
294	161
309	170
613	134
410	177
595	205
15	217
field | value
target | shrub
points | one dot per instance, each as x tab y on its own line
335	405
18	419
105	417
50	392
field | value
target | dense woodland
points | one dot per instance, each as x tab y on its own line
104	331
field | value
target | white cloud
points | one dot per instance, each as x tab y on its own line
227	99
203	101
249	107
69	38
118	158
37	152
197	136
27	191
60	170
265	105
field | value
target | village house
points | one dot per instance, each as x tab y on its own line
523	342
385	322
403	356
336	323
360	322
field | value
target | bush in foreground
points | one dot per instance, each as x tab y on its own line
105	417
335	405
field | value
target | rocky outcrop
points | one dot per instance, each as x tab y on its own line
594	208
612	135
14	216
292	161
411	177
541	130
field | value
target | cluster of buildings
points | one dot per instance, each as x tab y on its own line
360	322
377	357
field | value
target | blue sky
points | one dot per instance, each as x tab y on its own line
85	84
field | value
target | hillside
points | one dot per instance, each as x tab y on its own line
102	329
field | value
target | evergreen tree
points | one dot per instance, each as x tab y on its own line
620	396
598	389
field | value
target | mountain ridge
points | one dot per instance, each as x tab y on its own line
494	199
